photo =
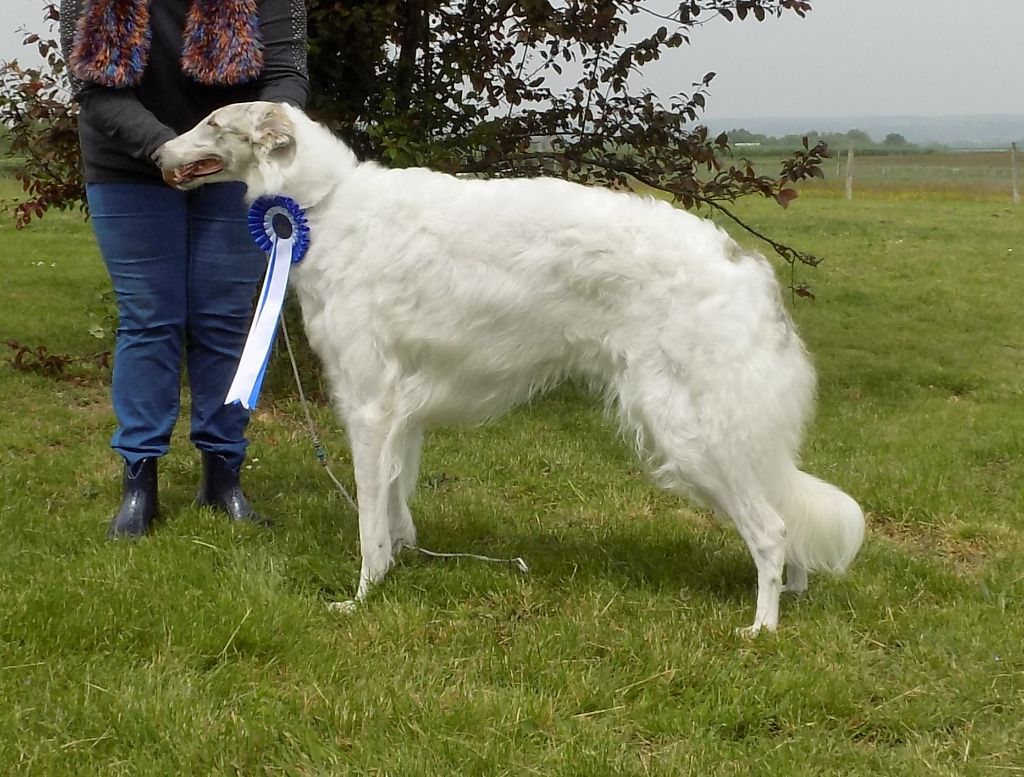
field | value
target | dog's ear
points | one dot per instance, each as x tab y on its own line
274	130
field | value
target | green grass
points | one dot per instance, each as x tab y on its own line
207	649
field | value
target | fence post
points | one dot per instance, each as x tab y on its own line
1013	173
849	173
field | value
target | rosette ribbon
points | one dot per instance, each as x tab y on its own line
279	227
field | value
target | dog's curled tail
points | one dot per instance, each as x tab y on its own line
824	525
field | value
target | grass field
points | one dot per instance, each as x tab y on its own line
207	649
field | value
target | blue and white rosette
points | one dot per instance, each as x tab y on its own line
279	227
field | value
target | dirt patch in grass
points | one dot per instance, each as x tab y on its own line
964	555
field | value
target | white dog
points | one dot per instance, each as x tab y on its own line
433	299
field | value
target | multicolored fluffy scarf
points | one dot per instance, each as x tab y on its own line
221	43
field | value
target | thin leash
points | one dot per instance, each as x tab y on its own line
321	456
318	447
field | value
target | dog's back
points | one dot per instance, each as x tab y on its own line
518	283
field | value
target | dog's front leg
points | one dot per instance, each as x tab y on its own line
400	523
796	578
369	434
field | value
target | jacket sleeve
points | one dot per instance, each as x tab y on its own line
285	76
115	112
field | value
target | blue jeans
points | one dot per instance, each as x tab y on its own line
185	272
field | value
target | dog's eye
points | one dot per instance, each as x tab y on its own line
212	123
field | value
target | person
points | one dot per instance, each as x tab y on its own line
183	265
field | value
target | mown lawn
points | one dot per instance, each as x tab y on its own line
207	649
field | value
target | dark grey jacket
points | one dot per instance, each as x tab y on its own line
120	128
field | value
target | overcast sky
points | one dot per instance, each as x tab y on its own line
847	58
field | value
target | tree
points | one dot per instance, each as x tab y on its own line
895	139
857	136
746	136
489	87
506	88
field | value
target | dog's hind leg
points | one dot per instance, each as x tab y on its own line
765	535
689	454
400	523
763	531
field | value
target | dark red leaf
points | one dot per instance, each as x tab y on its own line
786	196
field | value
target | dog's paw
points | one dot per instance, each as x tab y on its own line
750	632
346	607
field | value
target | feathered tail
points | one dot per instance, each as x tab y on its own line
824	526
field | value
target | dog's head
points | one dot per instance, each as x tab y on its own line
234	143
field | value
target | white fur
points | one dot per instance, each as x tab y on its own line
433	299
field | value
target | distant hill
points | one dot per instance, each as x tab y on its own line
996	131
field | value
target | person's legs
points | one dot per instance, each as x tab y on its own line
225	271
143	236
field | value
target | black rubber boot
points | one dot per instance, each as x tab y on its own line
221	490
140	505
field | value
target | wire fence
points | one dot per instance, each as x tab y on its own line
988	172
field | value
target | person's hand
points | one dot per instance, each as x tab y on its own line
169	174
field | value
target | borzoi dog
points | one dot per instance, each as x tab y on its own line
433	299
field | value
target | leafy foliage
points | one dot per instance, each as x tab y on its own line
485	87
42	360
36	109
